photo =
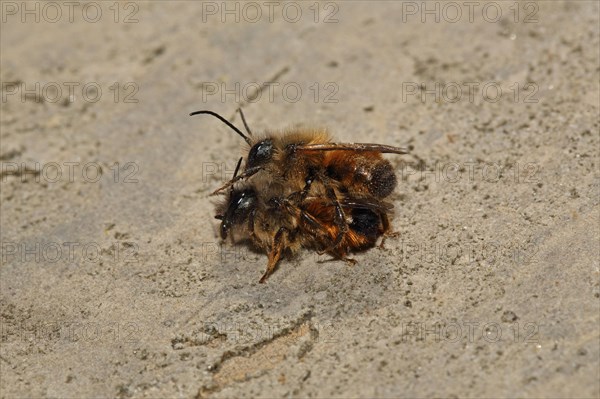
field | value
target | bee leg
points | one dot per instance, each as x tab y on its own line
308	182
275	254
246	174
349	261
304	193
340	254
310	225
314	227
339	219
385	222
251	223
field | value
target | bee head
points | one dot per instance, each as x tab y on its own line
260	153
240	204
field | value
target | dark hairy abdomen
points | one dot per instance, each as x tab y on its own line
383	179
366	223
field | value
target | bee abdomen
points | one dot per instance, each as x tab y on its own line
366	223
383	180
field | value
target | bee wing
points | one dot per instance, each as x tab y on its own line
353	147
365	203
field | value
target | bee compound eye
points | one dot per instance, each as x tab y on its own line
241	204
260	153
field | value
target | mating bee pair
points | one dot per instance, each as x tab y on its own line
301	190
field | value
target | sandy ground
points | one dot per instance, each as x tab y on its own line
114	282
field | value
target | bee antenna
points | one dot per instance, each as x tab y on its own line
225	121
244	121
237	168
